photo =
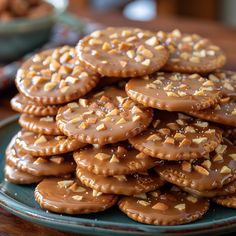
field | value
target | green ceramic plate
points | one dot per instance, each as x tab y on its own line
20	201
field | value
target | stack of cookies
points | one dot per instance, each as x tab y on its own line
139	113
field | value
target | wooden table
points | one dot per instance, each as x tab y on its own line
221	35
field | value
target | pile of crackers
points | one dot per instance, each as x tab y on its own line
131	117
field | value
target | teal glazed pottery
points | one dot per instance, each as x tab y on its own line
20	36
19	200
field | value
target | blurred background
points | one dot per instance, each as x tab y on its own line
216	10
29	26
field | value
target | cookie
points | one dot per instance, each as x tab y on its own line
46	145
223	113
173	91
107	116
175	136
164	207
227	189
16	176
42	125
69	196
226	80
116	159
191	53
55	77
122	52
40	166
226	201
120	184
24	105
203	174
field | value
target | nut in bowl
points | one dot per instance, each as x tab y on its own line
26	25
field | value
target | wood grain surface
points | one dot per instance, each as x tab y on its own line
223	36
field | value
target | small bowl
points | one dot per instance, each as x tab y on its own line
20	36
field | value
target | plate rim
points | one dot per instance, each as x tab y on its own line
24	211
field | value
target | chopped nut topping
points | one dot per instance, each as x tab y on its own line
151	86
206	164
38	79
64	89
164	131
191	198
159	47
77	197
234	112
83	125
213	78
120	177
146	62
123	63
96	193
208	83
65	183
95	41
77	189
121	121
114	159
172	126
127	103
221	148
201	170
141	195
135	109
39	160
180	122
73	105
160	206
92	120
155	123
40	140
151	41
121	150
135	118
49	86
225	170
179	136
201	124
155	193
141	155
233	156
228	86
102	156
217	157
83	102
180	207
172	94
47	119
169	140
131	54
76	120
57	159
143	203
190	129
186	166
185	142
101	127
106	46
154	137
199	93
210	131
200	140
168	86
